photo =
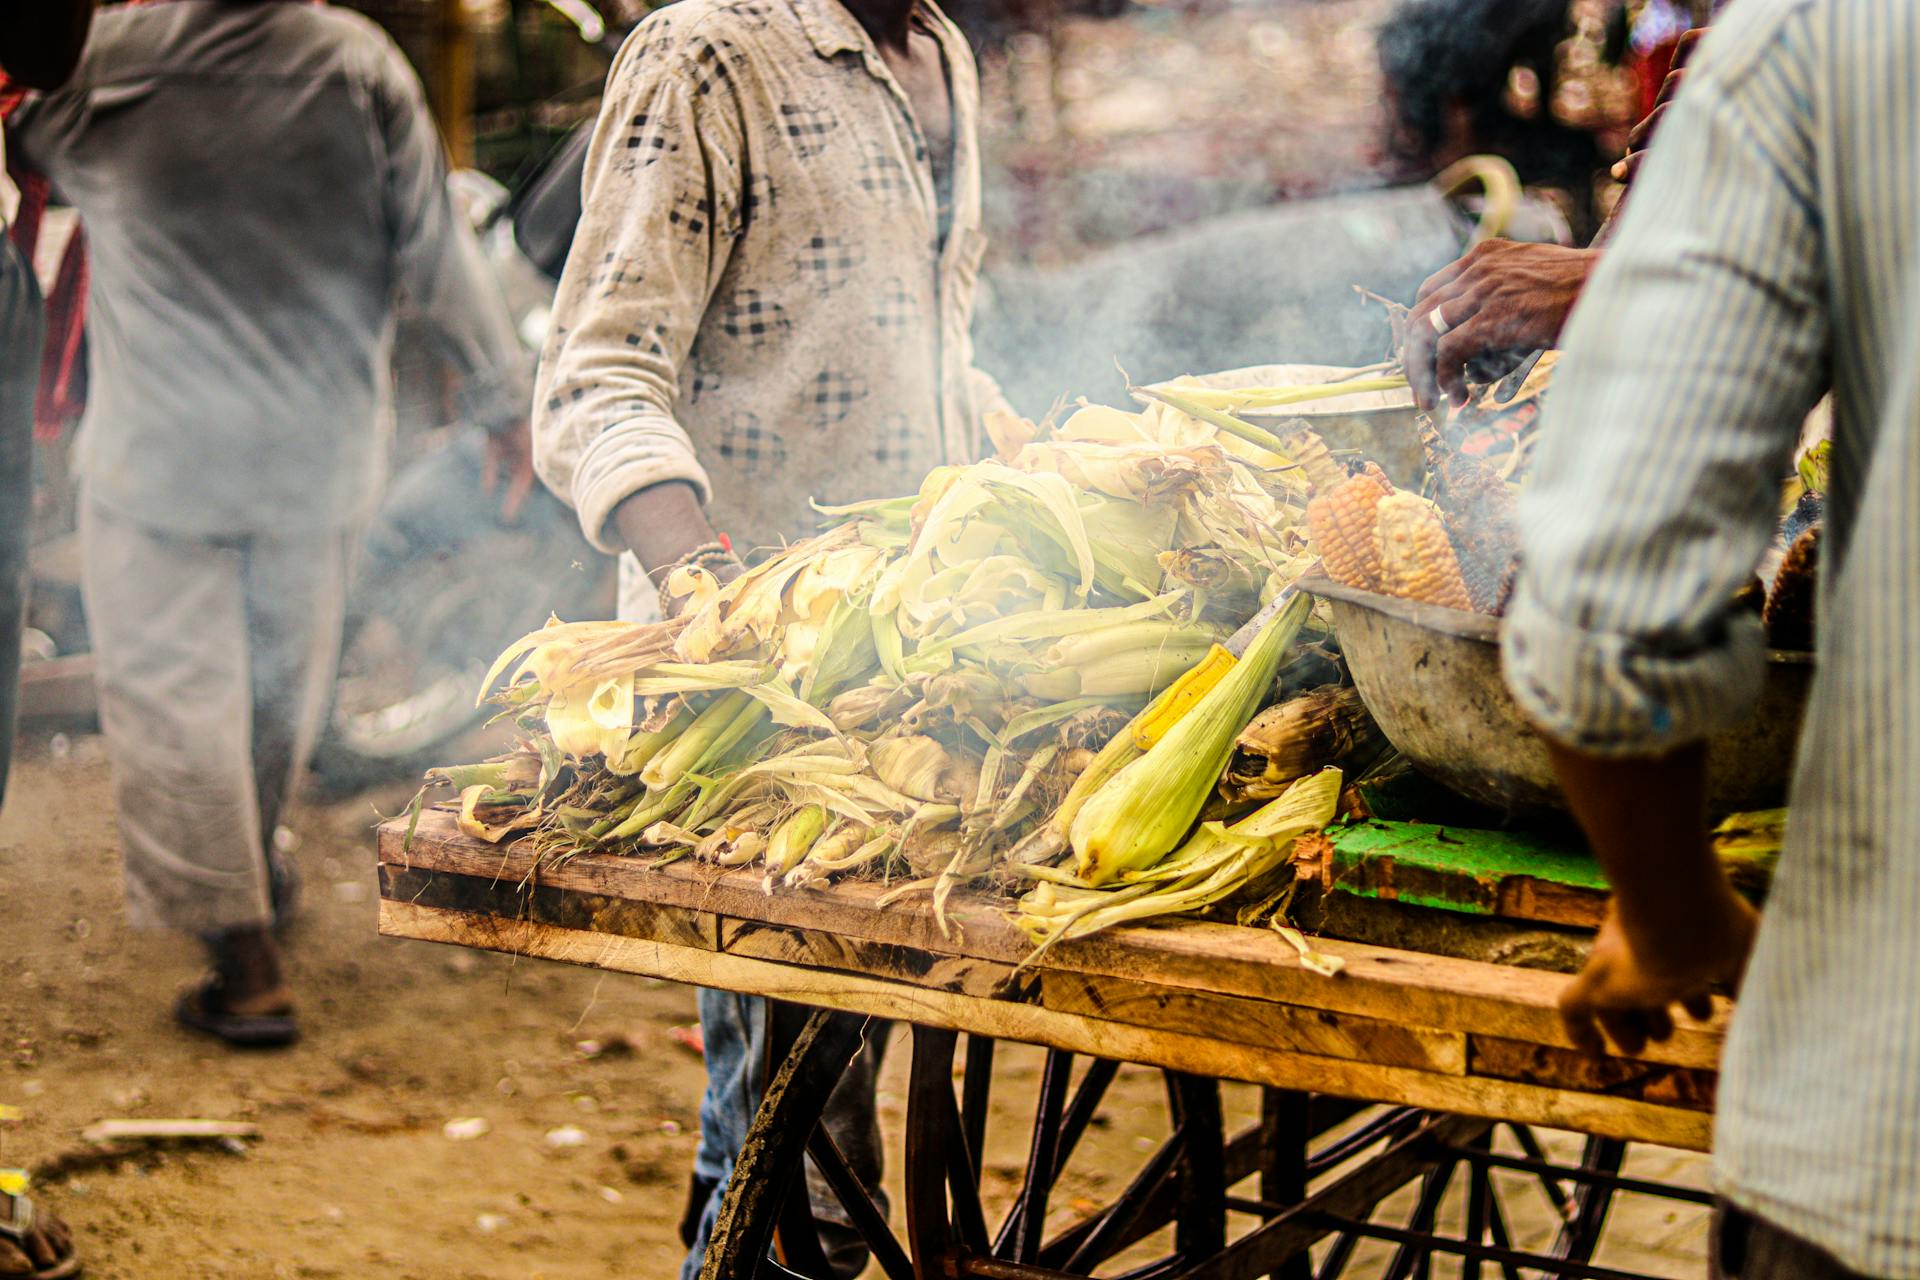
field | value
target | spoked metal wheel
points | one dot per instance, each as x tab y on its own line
1315	1188
766	1229
1181	1183
1579	1190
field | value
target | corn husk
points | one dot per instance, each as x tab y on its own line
923	769
1216	863
1303	735
793	839
1147	808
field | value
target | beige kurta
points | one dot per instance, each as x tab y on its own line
759	300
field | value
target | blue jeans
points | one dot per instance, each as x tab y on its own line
734	1028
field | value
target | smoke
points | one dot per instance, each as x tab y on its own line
1269	286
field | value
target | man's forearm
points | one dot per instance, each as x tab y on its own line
41	40
1646	817
662	523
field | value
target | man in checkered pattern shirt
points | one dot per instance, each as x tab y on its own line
767	302
774	271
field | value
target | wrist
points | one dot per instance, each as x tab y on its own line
661	523
1687	931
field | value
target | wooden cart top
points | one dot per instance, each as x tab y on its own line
1211	999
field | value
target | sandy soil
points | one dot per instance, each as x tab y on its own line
352	1175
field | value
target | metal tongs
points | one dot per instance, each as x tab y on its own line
1237	643
1506	370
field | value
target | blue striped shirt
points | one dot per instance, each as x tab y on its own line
1767	256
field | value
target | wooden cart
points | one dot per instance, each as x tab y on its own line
1451	1047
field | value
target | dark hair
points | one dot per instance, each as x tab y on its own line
1438	52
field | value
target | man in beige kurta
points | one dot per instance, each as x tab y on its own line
767	303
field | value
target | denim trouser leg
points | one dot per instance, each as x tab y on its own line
735	1028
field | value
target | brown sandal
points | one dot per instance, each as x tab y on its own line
17	1218
204	1008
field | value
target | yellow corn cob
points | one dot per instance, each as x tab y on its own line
1309	451
1417	561
1341	522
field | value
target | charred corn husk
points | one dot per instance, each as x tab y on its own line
1342	523
1417	560
1303	735
1788	615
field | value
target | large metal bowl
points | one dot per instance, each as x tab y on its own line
1431	678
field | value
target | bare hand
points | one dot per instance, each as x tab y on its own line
509	455
1502	294
661	525
1642	136
1629	992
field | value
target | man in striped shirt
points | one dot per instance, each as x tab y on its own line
1767	256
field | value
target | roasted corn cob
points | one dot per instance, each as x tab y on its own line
1480	520
1789	612
1341	523
1292	739
1310	453
1417	561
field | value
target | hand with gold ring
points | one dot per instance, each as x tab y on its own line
1501	295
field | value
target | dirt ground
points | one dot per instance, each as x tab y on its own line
587	1097
352	1175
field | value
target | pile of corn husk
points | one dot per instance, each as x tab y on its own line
1013	674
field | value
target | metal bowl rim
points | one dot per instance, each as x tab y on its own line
1454	622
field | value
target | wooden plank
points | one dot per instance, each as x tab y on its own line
1257	1022
595	913
1518	875
1684	1087
1522	1103
1396	986
981	979
1380	982
851	907
1252	1022
1530	898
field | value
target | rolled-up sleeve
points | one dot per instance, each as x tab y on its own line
661	198
1696	351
